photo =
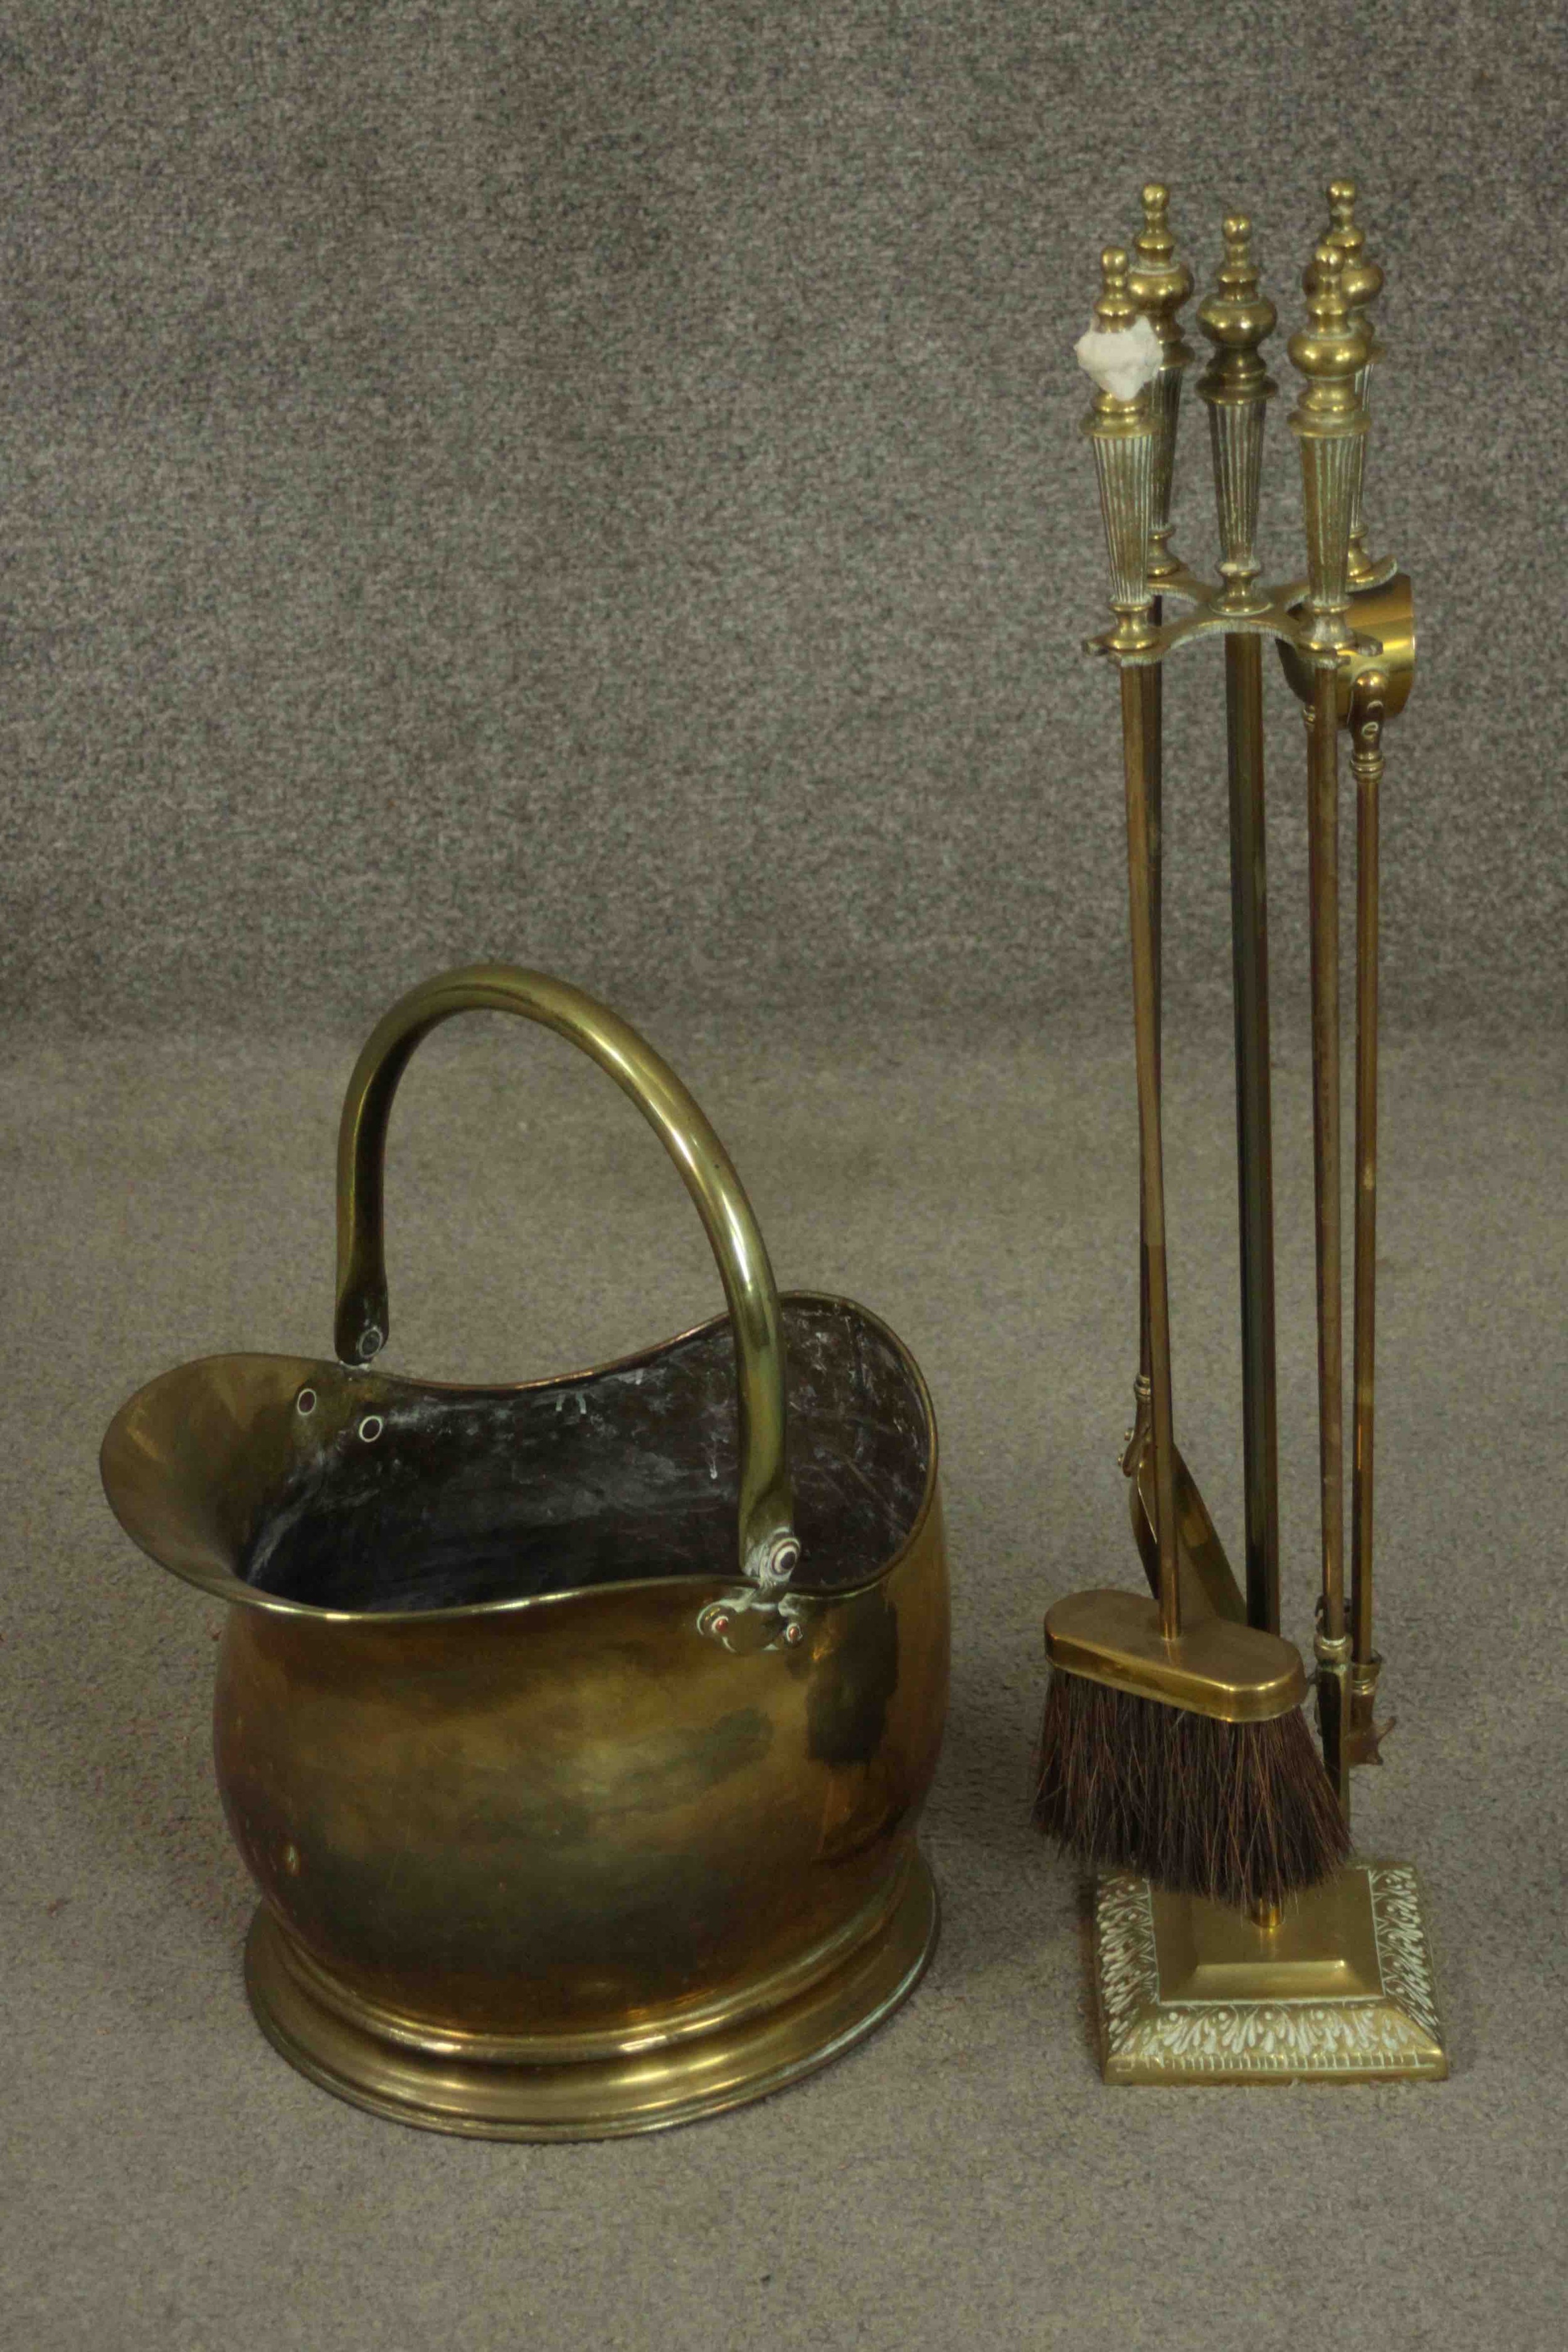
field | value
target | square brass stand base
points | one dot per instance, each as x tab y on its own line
1341	1991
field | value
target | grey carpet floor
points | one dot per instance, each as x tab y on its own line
964	2178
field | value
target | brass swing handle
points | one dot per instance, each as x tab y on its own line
769	1551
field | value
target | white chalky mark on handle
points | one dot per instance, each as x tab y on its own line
1122	360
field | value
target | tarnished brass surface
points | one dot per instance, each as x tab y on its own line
1254	1123
1384	616
1203	1574
1238	317
578	1817
1159	283
1363	283
1330	426
571	1826
1135	749
1368	711
1236	387
1341	1990
1366	1735
1121	434
1324	890
1214	1668
1127	438
1337	1986
499	2090
563	1860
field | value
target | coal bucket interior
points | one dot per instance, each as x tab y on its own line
418	1497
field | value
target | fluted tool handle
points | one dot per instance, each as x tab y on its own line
1159	283
1329	423
1121	354
1236	387
1360	282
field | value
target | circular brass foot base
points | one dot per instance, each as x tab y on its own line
599	2098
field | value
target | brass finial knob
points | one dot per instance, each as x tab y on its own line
1115	309
1333	345
1238	315
1154	242
1362	279
1237	268
1325	298
1158	282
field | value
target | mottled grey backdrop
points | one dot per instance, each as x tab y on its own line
600	486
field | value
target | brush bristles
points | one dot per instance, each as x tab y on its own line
1241	1814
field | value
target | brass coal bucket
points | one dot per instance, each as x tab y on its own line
574	1733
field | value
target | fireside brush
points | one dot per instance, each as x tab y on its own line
1175	1749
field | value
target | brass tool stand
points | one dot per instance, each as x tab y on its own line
1340	1986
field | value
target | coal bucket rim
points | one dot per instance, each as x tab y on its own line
121	1484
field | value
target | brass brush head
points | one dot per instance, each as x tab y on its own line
1187	1760
1214	1668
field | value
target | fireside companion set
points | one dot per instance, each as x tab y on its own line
577	1733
